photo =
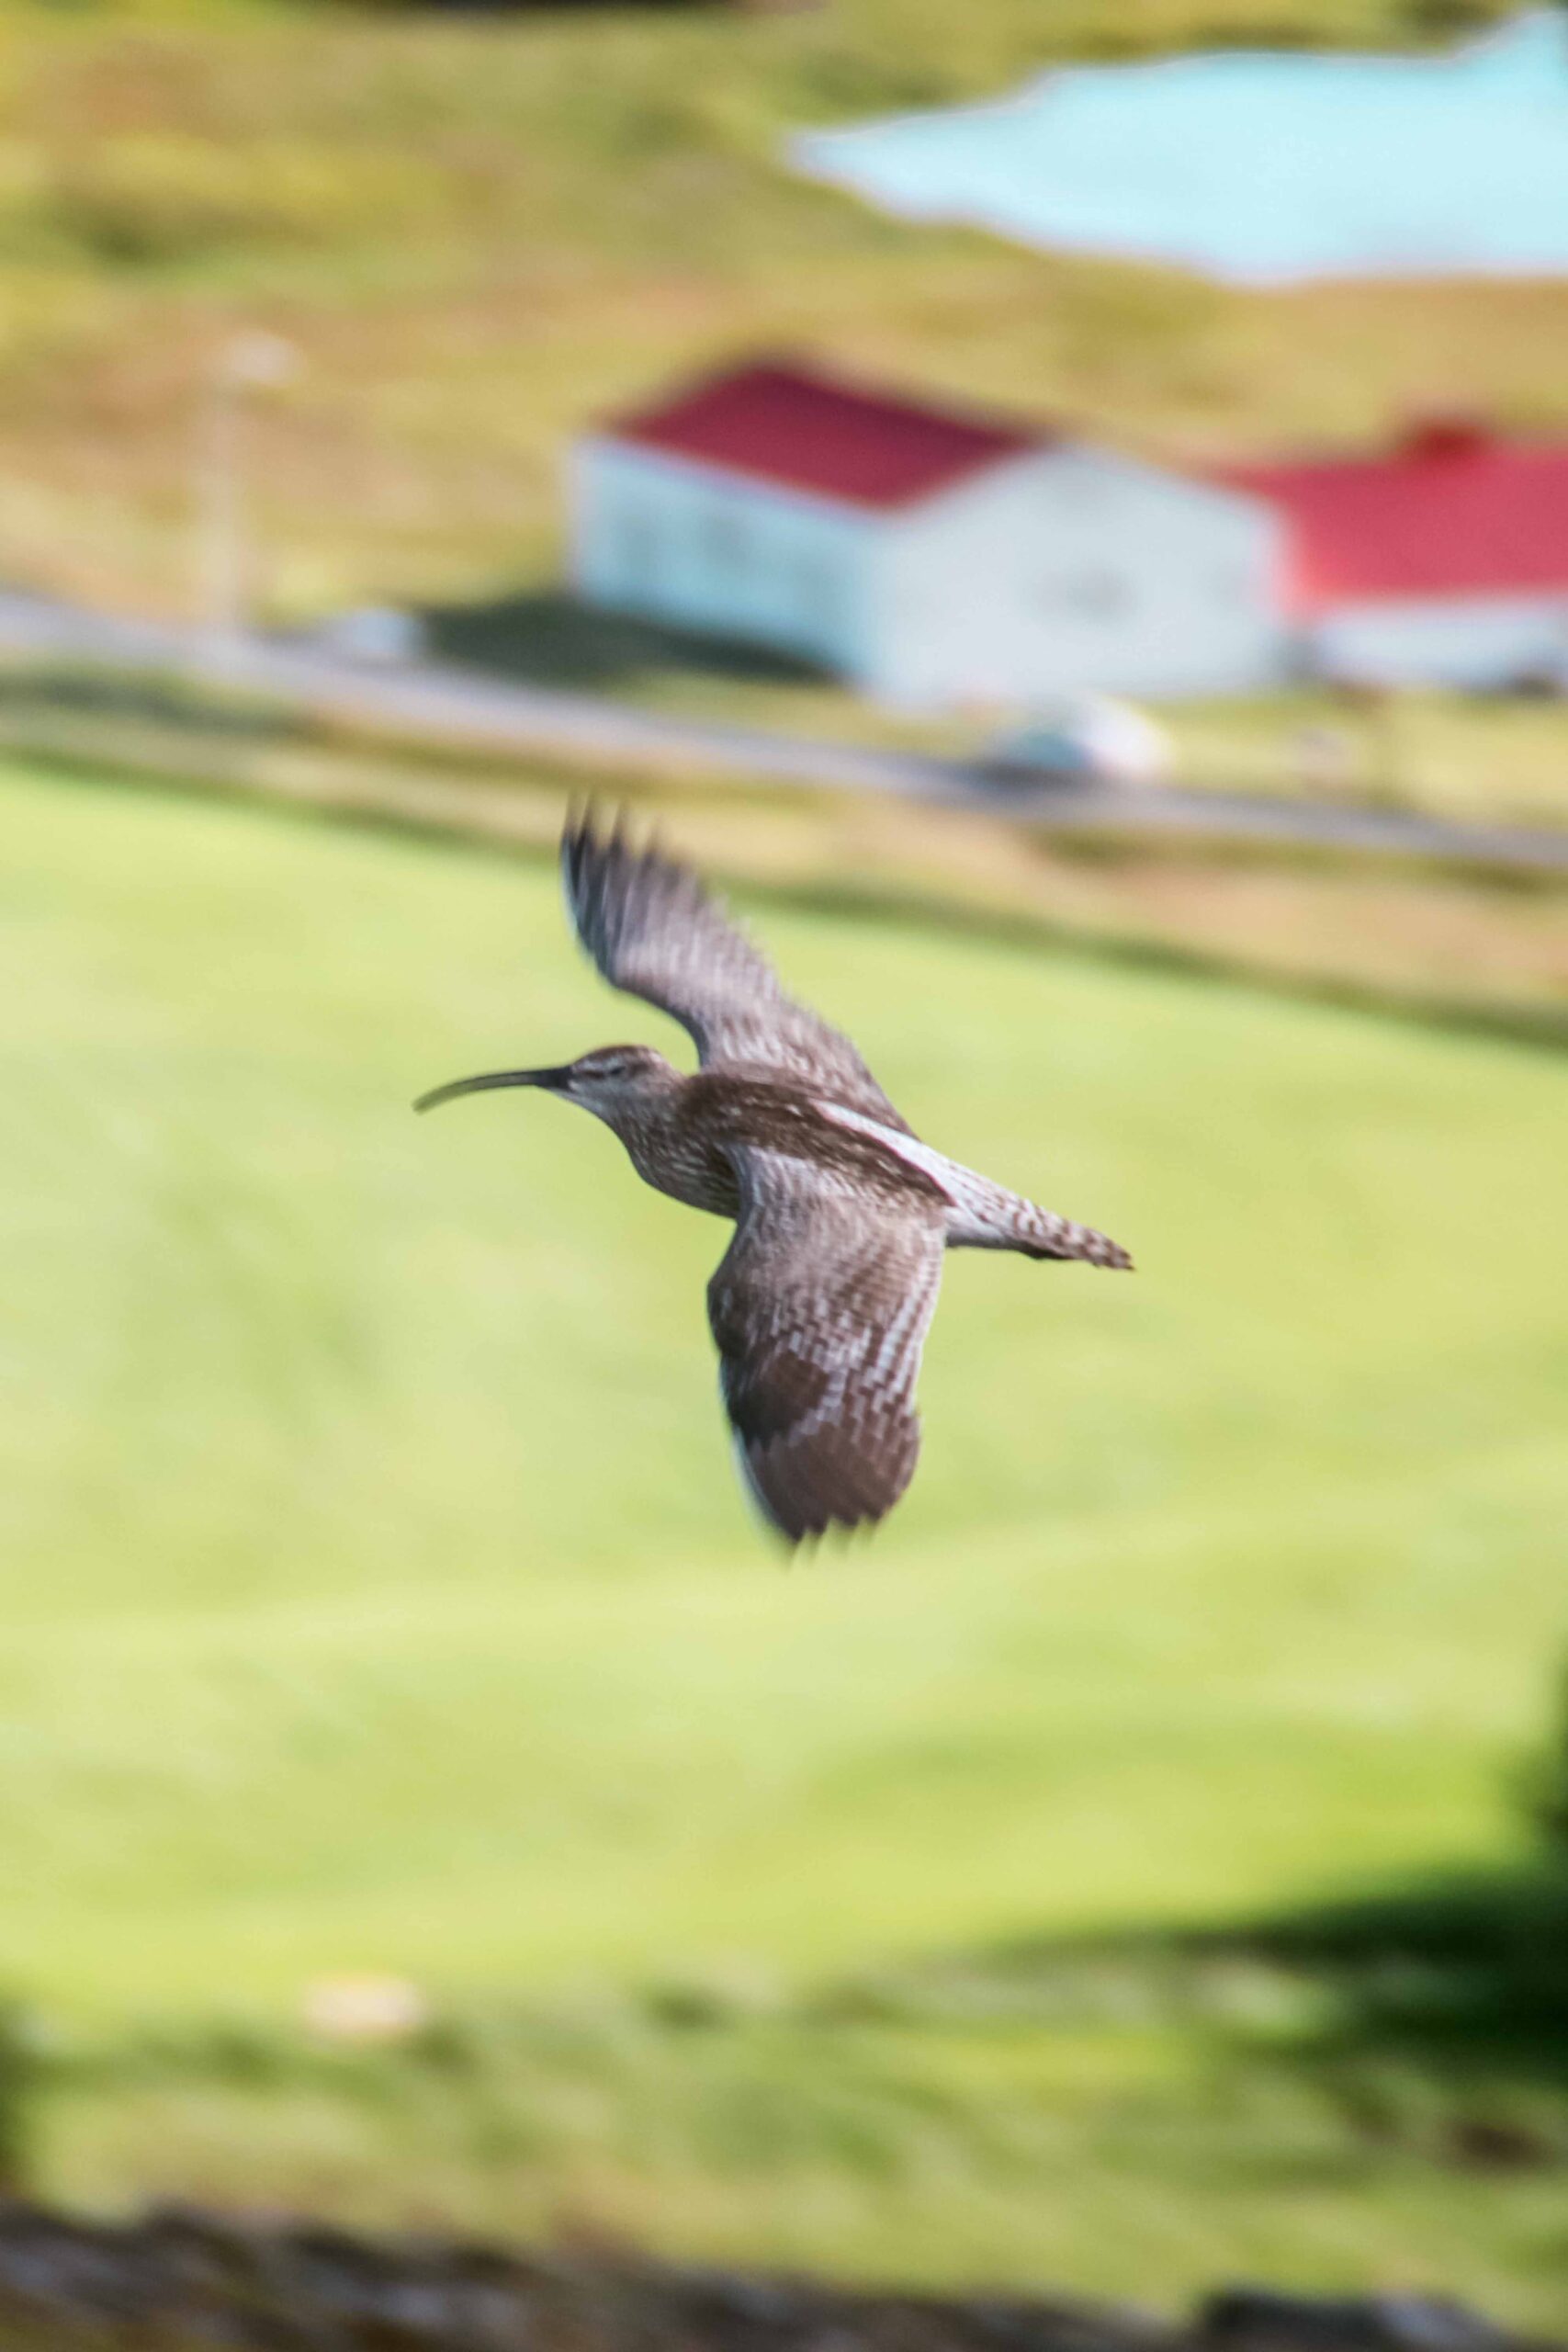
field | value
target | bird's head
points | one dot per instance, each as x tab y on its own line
609	1081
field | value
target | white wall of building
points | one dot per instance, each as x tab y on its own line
674	541
1444	640
1072	570
1062	571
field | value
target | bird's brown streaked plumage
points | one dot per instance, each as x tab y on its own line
821	1315
653	930
821	1304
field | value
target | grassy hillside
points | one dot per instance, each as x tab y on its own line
481	231
376	1594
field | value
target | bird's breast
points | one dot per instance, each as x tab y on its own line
679	1159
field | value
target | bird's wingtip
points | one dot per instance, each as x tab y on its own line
795	1531
609	828
577	826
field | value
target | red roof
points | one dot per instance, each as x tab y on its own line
1454	512
787	424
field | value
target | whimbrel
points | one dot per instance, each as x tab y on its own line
821	1304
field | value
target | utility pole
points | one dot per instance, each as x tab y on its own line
247	363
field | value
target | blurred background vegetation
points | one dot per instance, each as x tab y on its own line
1145	1864
1122	1873
481	228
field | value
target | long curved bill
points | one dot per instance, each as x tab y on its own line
554	1080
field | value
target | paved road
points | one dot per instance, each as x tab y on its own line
444	705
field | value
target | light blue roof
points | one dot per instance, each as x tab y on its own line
1262	168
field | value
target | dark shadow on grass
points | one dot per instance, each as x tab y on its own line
1431	2015
1471	1970
547	639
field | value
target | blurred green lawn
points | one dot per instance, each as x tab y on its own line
378	1594
377	1587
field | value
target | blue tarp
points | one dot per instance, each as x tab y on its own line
1262	168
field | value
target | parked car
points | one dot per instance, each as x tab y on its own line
1090	739
376	637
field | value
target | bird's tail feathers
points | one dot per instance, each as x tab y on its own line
1040	1233
985	1215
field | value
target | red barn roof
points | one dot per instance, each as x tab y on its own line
787	424
1454	512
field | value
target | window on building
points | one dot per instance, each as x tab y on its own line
819	596
726	541
1101	595
636	545
1094	594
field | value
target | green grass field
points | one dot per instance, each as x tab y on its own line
378	1594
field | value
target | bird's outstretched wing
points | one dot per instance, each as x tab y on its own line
820	1309
653	930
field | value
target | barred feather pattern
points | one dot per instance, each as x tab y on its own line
983	1215
653	930
821	1305
820	1316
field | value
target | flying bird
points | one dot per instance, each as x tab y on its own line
821	1303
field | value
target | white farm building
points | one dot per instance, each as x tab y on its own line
936	556
1442	561
928	556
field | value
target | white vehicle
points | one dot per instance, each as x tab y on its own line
1090	739
376	636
